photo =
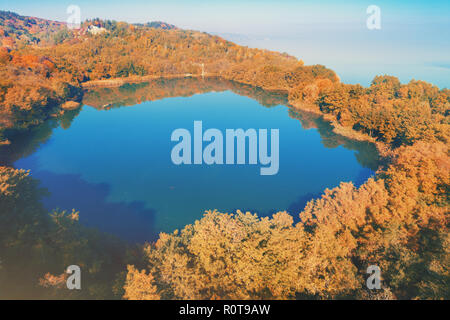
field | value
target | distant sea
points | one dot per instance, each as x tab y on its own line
357	55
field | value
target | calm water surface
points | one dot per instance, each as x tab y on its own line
114	166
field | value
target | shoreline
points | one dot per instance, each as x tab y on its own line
337	128
349	133
117	82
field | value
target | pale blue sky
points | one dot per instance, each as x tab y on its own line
234	15
412	43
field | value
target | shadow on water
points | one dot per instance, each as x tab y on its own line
298	205
293	209
24	142
366	152
131	221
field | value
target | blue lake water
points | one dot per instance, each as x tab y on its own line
114	166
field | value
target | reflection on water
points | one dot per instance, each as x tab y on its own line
112	162
132	94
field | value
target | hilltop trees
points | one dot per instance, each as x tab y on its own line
19	31
241	256
126	50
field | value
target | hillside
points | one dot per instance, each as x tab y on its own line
16	29
55	73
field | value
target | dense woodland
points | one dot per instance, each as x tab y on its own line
397	220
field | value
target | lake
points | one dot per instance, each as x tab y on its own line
111	160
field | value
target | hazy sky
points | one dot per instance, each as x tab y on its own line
413	41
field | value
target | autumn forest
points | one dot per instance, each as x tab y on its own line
397	219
